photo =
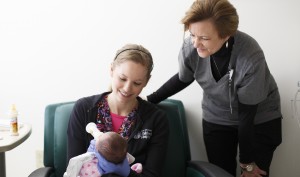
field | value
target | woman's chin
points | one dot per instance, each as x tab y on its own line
202	53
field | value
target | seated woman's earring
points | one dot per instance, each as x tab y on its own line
226	44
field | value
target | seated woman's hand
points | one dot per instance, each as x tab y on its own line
137	167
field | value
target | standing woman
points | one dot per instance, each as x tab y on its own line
241	102
142	124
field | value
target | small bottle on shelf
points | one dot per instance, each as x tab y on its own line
13	115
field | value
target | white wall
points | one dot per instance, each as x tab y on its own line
55	51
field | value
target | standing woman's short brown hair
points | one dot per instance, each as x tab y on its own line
221	13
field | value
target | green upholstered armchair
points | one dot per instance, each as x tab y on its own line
178	161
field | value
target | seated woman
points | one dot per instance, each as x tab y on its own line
142	124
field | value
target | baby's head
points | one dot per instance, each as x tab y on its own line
112	146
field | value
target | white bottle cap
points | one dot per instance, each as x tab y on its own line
93	130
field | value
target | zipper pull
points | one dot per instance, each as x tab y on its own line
230	74
230	79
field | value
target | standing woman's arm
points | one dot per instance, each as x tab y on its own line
246	115
171	87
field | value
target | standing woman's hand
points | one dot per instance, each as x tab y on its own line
256	172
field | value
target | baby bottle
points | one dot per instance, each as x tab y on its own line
13	115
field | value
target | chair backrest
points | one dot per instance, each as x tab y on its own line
178	153
55	138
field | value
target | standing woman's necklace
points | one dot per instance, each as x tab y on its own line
219	73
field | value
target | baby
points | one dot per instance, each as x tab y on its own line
107	153
110	147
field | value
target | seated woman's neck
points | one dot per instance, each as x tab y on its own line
119	108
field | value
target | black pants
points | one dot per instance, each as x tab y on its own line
221	144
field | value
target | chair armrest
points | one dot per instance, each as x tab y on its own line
208	169
42	172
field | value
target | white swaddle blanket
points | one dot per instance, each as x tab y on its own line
76	163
